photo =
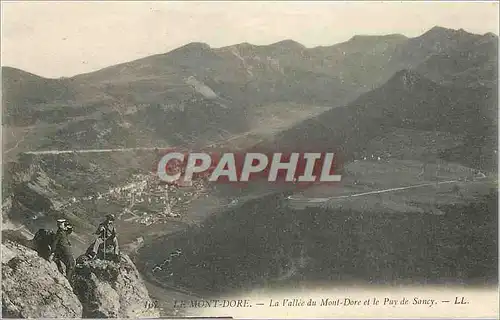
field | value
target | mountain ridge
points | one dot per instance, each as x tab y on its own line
216	90
433	30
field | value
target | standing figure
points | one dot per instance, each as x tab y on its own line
106	236
61	248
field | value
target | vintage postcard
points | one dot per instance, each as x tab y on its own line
249	160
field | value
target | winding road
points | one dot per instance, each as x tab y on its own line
208	145
370	192
91	150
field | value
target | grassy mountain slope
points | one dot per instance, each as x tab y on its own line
408	101
214	90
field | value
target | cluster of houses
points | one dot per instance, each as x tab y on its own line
373	157
149	200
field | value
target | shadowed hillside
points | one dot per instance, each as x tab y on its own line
408	101
28	98
263	243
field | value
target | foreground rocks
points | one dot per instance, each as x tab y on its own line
110	289
33	287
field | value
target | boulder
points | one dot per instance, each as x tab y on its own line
33	287
109	289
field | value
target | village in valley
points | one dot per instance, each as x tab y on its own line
148	200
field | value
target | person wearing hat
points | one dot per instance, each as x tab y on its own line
106	236
61	252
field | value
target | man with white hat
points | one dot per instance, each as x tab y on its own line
61	251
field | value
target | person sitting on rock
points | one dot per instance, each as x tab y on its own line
61	252
106	236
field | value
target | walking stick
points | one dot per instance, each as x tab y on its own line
104	245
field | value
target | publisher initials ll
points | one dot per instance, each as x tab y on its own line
461	300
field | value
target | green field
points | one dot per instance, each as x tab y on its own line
428	186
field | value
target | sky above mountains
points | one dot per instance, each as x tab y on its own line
55	39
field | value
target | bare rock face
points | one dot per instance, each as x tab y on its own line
33	287
109	289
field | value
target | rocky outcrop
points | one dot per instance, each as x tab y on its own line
110	289
33	287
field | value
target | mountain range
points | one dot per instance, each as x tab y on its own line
200	94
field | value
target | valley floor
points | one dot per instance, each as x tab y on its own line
389	186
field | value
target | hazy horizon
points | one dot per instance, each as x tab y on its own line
80	37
